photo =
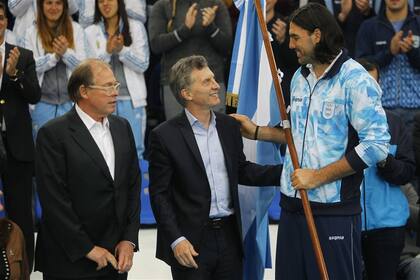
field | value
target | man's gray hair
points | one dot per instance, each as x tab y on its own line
180	74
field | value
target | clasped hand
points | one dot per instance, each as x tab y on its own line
122	261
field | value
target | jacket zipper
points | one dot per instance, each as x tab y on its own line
311	91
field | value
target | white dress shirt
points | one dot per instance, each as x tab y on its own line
3	53
102	136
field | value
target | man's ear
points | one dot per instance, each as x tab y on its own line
83	91
316	36
185	94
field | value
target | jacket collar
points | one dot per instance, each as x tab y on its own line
335	68
82	136
186	130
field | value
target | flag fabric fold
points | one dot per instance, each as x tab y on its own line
251	87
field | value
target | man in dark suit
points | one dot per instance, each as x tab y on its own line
19	88
88	180
196	163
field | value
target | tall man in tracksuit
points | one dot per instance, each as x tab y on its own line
392	41
339	128
385	207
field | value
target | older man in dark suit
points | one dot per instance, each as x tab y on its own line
196	163
89	183
19	88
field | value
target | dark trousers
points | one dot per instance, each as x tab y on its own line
381	250
339	237
220	255
17	188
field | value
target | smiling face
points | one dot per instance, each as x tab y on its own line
108	8
53	10
203	92
303	43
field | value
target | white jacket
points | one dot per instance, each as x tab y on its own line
10	37
25	13
135	58
46	61
136	9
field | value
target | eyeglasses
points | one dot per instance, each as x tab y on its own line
109	90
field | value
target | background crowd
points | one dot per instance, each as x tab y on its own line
141	40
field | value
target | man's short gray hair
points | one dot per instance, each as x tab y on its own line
180	74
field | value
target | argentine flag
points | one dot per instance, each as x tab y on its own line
251	89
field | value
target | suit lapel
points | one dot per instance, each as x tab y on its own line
82	136
188	134
116	133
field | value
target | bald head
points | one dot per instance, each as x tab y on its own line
84	75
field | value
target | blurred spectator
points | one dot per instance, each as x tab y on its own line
135	9
180	28
122	43
392	41
416	7
349	14
25	13
19	87
59	44
13	260
413	5
285	57
409	267
385	209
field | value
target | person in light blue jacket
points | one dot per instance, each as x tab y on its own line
339	129
122	42
384	206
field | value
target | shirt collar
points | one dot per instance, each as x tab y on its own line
3	46
311	69
193	120
332	69
88	121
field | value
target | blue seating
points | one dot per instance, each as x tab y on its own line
275	210
146	214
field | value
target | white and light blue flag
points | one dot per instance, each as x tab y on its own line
251	85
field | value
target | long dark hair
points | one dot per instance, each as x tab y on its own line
122	14
64	27
313	16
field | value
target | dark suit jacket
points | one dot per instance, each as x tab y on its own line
179	189
16	96
82	205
